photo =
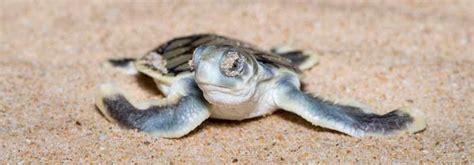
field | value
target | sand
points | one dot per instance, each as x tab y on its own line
384	54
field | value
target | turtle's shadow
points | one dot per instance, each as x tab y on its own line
147	84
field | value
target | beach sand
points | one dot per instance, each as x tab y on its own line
384	54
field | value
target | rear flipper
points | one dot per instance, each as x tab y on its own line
301	59
352	120
125	65
173	117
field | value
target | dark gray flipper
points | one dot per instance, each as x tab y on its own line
352	120
174	117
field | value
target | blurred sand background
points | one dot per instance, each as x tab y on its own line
385	54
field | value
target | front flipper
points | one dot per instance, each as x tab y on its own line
173	117
352	120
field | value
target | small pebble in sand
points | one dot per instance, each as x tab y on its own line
78	123
102	137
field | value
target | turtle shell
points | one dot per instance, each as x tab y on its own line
172	58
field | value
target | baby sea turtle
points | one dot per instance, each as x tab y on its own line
210	76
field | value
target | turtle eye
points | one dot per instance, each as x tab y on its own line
232	64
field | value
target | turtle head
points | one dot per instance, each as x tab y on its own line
226	74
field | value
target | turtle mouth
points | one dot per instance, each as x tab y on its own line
212	89
216	87
223	95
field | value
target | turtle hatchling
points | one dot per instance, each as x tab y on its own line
211	76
